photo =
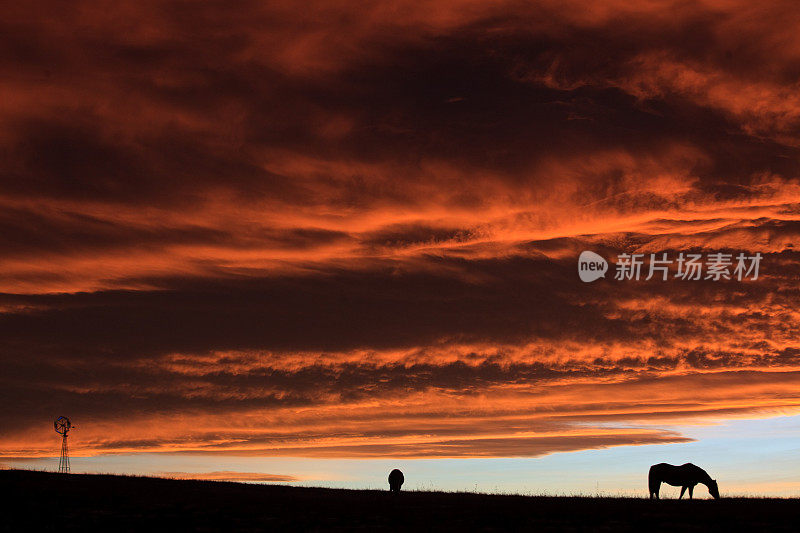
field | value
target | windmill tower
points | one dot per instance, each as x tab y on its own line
62	426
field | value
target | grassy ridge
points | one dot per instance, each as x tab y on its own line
42	501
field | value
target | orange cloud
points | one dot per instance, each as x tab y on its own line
351	230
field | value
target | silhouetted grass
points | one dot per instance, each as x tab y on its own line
42	501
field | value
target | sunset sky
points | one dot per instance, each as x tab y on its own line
311	242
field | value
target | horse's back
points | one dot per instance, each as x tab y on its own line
684	467
673	474
660	467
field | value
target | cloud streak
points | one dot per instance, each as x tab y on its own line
247	477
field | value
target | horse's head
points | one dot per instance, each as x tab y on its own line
713	489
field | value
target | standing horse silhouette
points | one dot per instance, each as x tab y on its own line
684	476
395	480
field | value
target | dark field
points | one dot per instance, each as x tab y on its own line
39	501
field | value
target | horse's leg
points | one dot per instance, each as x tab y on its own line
653	485
683	489
691	491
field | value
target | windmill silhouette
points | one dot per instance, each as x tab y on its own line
62	426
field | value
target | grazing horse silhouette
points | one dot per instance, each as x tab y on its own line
395	480
684	476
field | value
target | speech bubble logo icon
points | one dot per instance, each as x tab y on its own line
591	266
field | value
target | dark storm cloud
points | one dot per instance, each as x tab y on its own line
394	104
336	311
397	305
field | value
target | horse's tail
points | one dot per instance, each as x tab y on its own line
653	481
